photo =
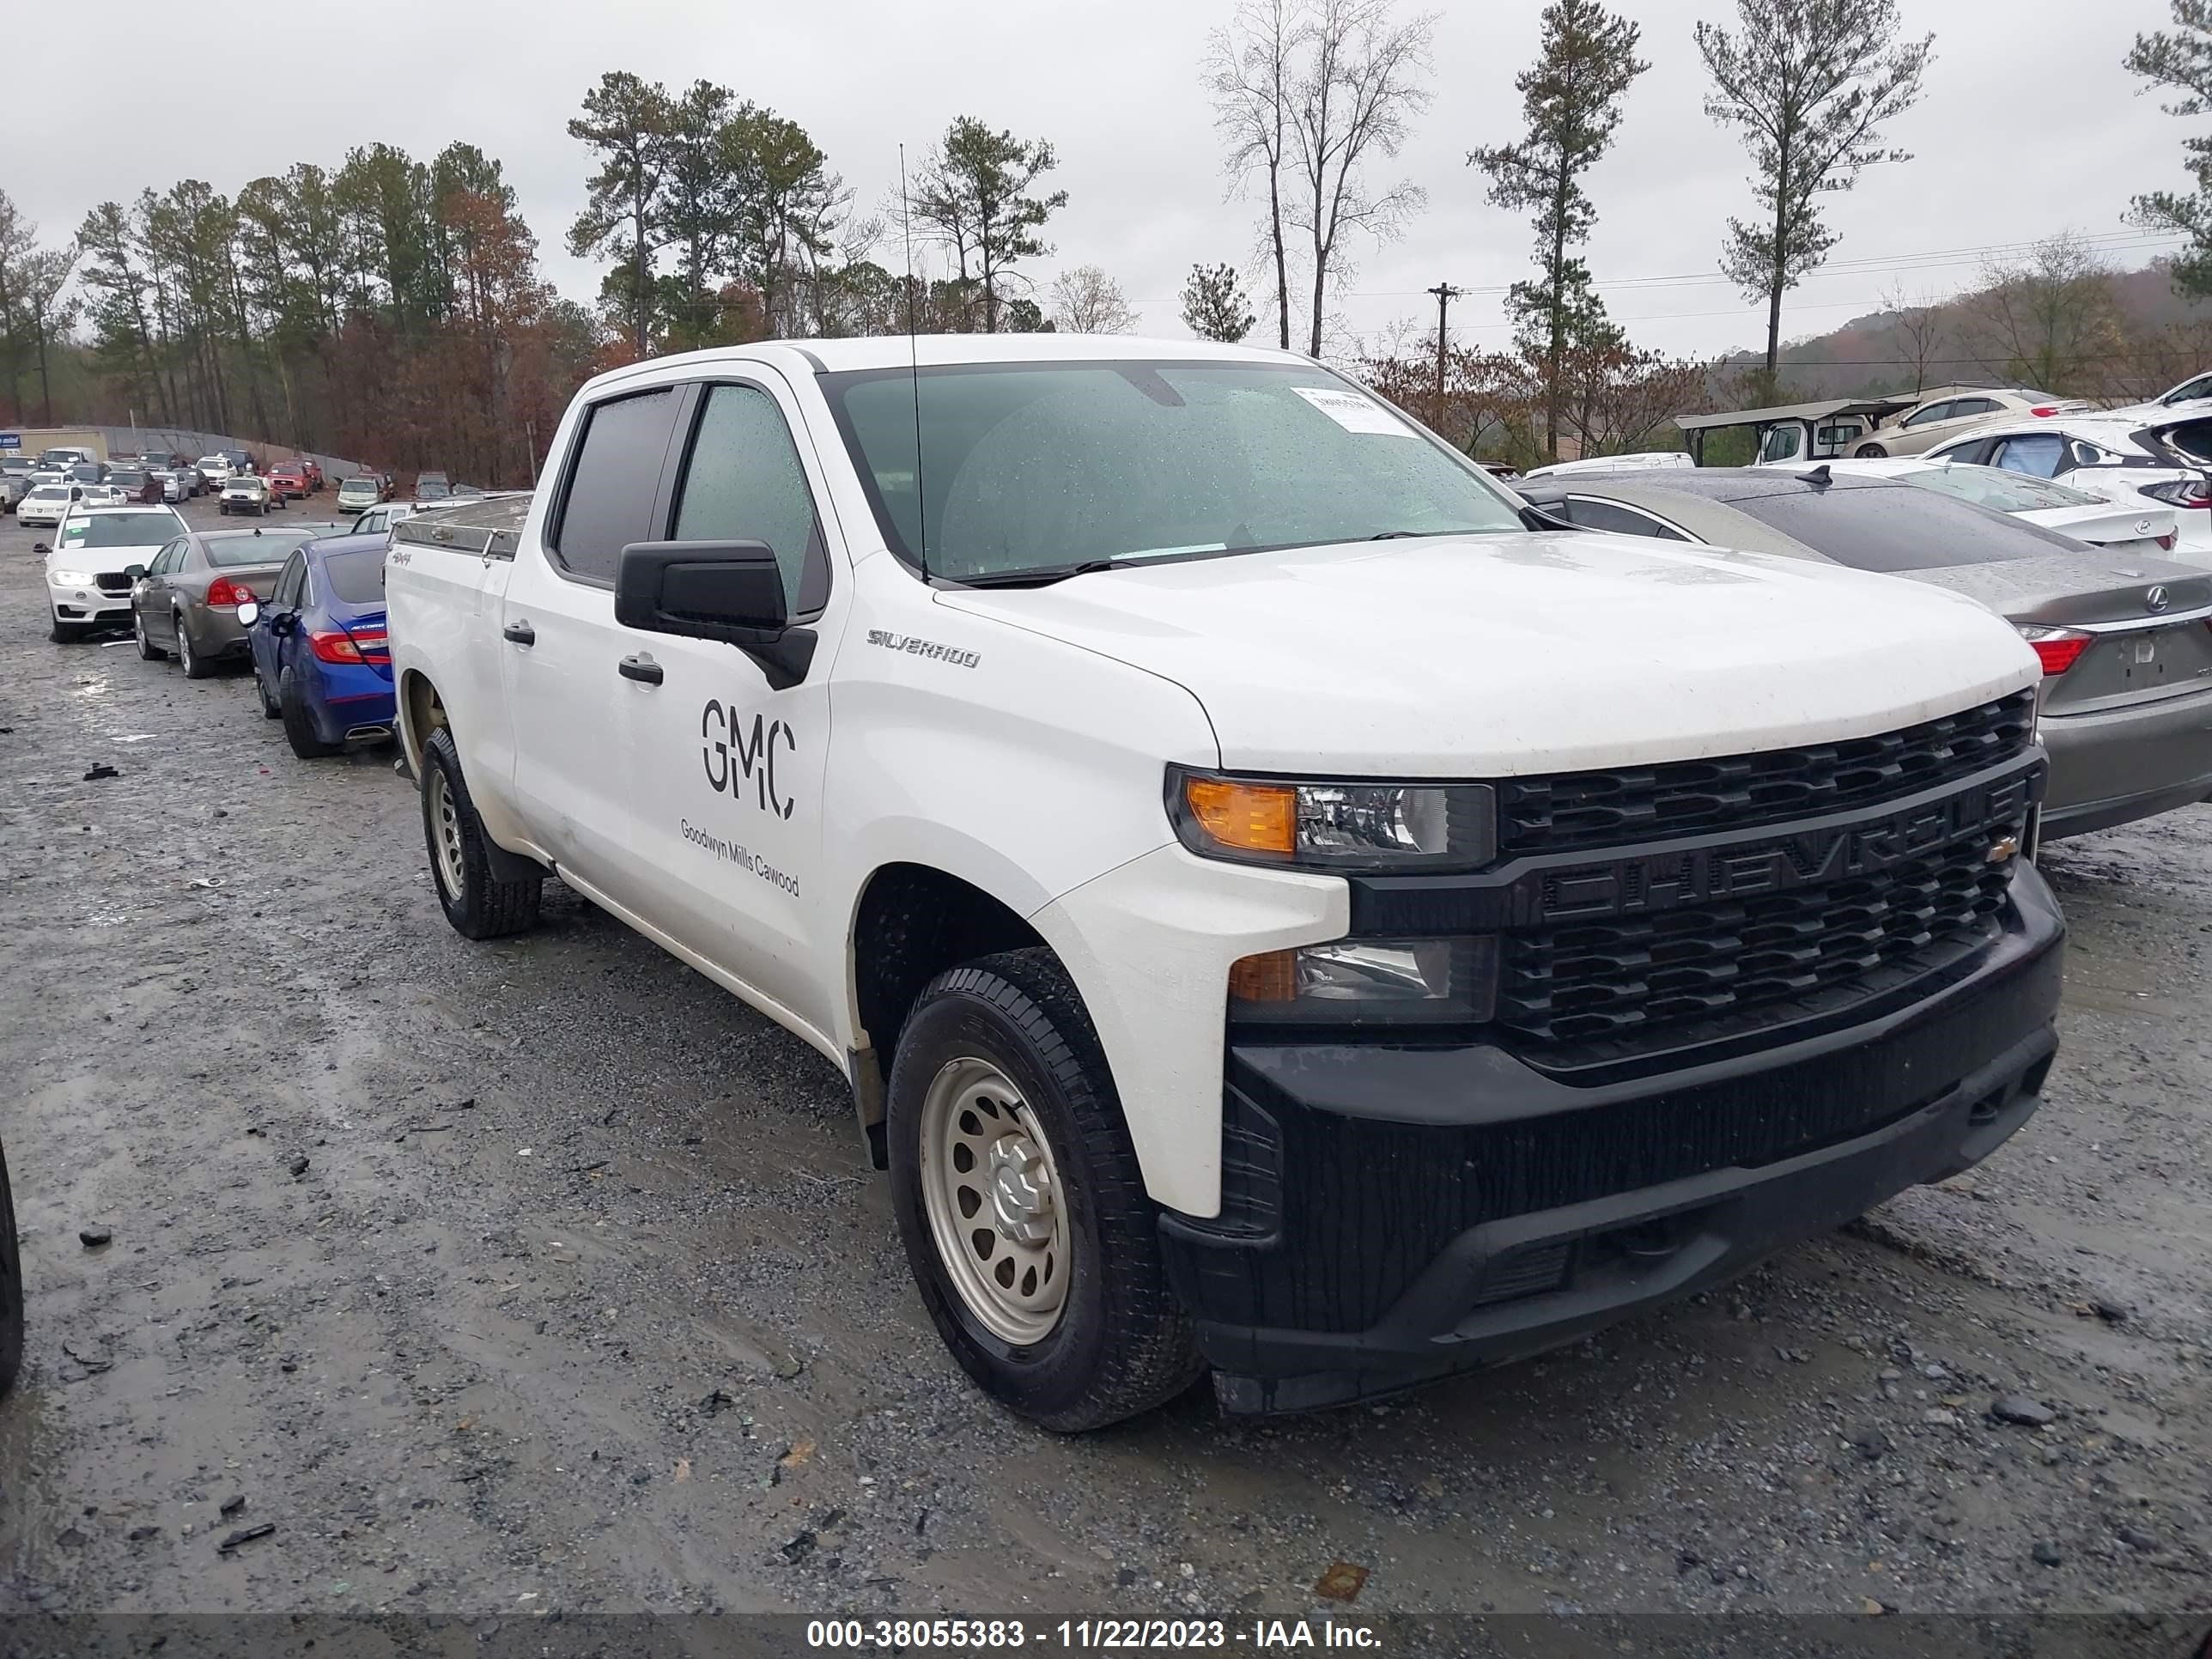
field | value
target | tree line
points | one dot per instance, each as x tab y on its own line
394	308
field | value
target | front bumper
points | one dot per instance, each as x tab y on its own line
88	604
2122	764
1395	1213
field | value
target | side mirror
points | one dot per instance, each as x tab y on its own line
136	573
728	591
248	613
41	547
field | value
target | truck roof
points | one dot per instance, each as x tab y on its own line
941	350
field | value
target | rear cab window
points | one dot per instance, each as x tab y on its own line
606	501
1887	528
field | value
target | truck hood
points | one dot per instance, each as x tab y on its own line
1488	656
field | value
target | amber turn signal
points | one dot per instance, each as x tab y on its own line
1272	977
1251	817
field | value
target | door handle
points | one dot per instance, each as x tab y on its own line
519	633
643	670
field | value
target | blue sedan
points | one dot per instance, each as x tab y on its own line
321	663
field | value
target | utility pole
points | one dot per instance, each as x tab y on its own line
1445	293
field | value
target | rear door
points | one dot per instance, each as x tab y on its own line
560	648
726	767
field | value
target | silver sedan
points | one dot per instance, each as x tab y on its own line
185	601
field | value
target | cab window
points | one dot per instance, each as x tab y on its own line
607	502
742	482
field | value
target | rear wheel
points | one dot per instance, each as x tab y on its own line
1019	1197
195	667
148	651
1871	452
299	724
475	902
11	1287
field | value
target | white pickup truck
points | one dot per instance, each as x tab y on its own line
1278	906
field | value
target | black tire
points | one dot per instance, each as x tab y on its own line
11	1287
1123	1344
299	724
223	508
195	667
270	708
66	633
485	907
148	651
1869	452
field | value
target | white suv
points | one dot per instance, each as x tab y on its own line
1275	908
97	556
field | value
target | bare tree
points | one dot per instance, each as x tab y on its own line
1249	68
1919	323
1086	300
2051	320
1809	83
44	275
1358	84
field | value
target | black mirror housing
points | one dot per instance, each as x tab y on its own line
731	591
135	572
728	591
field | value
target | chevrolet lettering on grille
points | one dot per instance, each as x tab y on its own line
1668	878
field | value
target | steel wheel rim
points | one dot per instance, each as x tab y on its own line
446	834
991	1188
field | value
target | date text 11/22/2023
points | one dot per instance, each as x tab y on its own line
1087	1634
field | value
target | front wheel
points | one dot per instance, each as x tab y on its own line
477	903
148	651
270	708
11	1287
1871	452
67	633
1019	1200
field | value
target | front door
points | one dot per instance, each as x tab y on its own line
727	768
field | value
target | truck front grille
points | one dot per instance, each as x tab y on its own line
1814	947
1627	804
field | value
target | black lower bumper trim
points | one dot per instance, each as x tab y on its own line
1465	1210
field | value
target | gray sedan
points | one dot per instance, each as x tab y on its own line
186	598
2124	640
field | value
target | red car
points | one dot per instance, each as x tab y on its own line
312	473
288	482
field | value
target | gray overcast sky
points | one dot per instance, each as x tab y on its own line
2029	126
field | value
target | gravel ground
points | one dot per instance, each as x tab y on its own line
543	1276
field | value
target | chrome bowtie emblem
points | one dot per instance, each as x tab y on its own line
2155	598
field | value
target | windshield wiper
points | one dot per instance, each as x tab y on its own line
1044	577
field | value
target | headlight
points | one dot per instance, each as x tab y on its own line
69	579
1352	982
1380	827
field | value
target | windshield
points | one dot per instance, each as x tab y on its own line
430	491
1029	470
48	493
2007	492
124	530
227	550
357	578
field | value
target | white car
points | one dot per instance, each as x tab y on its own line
248	492
1637	461
2145	529
215	469
1955	410
1273	910
102	495
2135	460
46	504
90	569
175	486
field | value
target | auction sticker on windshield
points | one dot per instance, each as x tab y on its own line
1353	412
